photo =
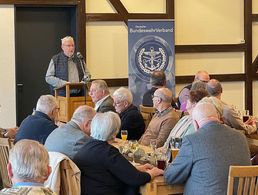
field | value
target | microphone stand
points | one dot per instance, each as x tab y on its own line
82	62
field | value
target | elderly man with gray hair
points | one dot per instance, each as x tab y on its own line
204	158
28	169
41	123
100	95
163	120
104	170
230	115
71	137
131	118
66	67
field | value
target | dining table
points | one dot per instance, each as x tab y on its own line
156	186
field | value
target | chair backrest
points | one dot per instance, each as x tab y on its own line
246	178
66	174
147	114
4	155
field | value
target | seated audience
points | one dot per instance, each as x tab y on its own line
103	169
99	94
203	161
28	169
163	121
41	123
131	118
184	93
157	80
230	116
71	137
185	125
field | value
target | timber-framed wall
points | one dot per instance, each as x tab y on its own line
250	68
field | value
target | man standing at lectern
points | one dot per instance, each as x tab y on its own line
66	67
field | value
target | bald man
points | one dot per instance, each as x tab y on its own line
230	115
164	119
183	95
203	161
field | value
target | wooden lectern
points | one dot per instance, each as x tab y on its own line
68	104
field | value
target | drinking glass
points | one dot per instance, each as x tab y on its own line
134	147
175	144
245	115
174	152
124	134
162	160
153	145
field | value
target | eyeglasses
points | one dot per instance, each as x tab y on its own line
117	103
68	45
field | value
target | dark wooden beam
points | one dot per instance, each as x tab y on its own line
147	16
170	7
96	17
40	2
248	55
80	26
117	82
210	48
255	17
219	77
182	79
121	10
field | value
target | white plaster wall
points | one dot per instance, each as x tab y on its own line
209	22
7	67
255	6
107	49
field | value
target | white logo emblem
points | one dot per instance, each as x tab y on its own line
151	60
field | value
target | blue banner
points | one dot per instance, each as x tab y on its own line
151	47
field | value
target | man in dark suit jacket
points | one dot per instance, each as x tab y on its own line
205	156
41	123
99	94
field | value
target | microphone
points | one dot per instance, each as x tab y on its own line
86	77
79	55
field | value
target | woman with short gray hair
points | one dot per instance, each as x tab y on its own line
103	169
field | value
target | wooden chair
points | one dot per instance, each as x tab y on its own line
147	114
4	155
247	177
66	174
